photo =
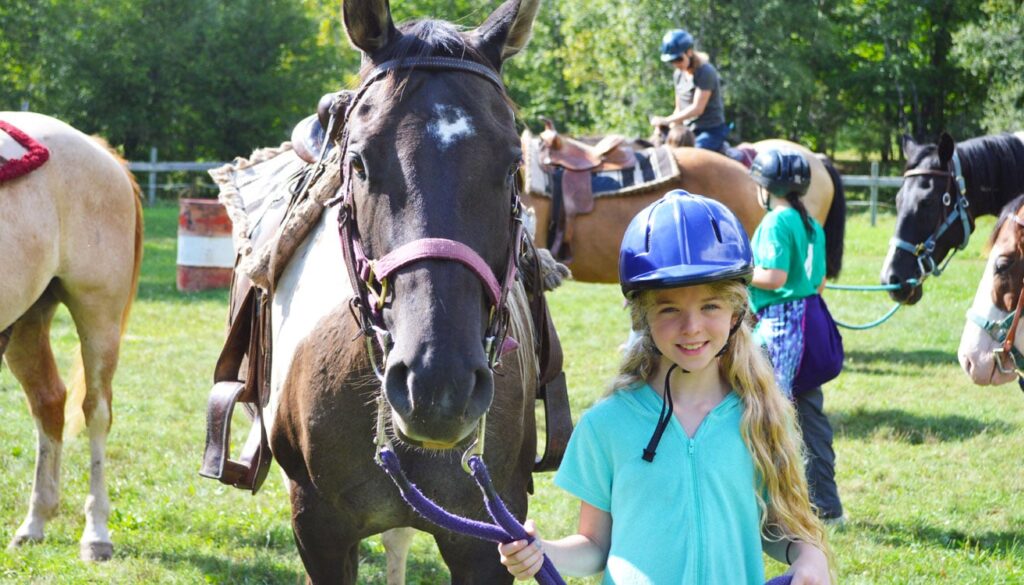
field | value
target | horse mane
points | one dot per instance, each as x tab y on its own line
1004	214
995	162
521	328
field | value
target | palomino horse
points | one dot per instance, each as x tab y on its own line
599	233
992	342
72	234
429	160
945	187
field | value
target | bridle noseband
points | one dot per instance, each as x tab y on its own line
1004	331
956	187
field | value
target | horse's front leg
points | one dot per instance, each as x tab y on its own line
396	547
471	560
329	552
30	359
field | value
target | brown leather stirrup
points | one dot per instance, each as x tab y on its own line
246	344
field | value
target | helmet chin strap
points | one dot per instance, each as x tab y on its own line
732	331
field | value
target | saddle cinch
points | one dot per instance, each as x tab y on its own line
281	213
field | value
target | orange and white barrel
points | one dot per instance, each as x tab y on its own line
206	256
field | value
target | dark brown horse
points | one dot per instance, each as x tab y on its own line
945	187
428	153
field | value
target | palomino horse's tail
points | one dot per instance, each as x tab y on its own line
835	222
74	417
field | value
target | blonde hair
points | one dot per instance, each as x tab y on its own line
768	425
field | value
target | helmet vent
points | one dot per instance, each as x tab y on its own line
718	232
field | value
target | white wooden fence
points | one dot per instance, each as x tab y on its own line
153	167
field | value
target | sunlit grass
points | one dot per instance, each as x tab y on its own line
929	465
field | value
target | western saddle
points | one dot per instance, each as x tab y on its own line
572	162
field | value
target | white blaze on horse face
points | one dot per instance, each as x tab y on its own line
976	345
450	123
314	283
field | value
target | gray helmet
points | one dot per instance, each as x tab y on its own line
674	44
781	172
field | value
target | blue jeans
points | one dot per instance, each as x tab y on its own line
711	138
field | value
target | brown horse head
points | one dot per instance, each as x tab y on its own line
432	153
990	318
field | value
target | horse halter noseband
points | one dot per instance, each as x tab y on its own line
956	187
1004	331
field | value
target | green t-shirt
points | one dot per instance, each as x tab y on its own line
781	242
688	517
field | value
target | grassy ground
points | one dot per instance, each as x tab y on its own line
929	465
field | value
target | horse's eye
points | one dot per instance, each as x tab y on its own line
1003	263
356	164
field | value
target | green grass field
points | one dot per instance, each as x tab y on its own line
929	466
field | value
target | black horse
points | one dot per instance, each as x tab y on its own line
945	187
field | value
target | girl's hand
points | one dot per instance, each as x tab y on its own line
810	567
658	121
523	558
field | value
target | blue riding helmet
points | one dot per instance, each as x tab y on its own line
682	240
674	44
781	172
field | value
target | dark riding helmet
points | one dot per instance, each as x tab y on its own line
781	172
682	240
674	44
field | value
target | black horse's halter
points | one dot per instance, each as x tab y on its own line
955	199
371	277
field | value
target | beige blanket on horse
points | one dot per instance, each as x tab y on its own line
260	194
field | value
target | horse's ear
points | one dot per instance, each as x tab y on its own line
909	146
506	31
946	147
368	24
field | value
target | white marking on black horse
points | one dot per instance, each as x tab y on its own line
450	124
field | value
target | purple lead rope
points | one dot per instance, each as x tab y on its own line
508	528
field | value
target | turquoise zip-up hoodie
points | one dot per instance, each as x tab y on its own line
689	517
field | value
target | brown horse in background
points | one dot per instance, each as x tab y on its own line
598	233
71	233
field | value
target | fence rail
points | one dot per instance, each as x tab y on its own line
153	167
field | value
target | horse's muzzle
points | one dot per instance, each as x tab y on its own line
437	408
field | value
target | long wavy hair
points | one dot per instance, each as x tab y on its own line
768	425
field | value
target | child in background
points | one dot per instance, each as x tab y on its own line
789	275
720	479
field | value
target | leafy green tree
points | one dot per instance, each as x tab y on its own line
993	52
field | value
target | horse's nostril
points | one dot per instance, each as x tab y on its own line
483	394
396	388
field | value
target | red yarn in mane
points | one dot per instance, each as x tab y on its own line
35	157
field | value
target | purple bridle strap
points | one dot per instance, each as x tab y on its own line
508	528
436	249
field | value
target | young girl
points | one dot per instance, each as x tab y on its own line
690	466
789	275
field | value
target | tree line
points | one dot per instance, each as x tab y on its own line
213	79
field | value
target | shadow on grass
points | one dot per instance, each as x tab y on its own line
1007	544
912	428
885	362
